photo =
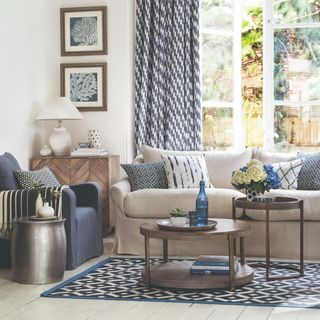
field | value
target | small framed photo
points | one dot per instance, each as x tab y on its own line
83	31
85	84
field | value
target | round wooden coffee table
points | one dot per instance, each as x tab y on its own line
176	274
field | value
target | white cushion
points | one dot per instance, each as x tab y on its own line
186	171
156	203
288	173
154	155
221	164
311	202
267	157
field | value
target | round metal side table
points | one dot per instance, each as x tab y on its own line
280	203
38	250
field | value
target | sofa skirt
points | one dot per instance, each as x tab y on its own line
284	235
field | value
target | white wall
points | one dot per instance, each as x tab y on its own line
30	61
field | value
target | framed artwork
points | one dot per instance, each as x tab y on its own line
85	84
83	31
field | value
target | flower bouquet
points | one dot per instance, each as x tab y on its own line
255	178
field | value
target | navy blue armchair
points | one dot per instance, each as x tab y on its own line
81	207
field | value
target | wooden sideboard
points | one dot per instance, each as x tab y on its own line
69	170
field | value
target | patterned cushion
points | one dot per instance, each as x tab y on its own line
26	179
146	175
309	177
186	171
288	173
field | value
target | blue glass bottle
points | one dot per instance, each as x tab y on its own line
202	206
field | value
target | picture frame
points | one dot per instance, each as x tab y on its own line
83	31
85	84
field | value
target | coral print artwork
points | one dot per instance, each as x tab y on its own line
83	87
83	31
85	84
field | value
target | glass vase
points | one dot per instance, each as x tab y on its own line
202	206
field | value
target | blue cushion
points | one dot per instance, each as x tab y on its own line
146	175
8	164
309	176
26	179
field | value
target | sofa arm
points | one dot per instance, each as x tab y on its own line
118	193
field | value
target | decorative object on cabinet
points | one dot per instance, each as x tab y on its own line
103	170
94	137
60	109
85	84
83	31
45	151
89	152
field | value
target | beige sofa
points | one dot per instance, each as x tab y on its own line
131	209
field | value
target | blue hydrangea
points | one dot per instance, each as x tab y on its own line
272	181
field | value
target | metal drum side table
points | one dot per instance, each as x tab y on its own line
38	250
280	203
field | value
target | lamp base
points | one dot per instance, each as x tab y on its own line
60	141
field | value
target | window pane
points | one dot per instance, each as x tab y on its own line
216	14
293	11
253	123
297	128
217	128
217	79
297	64
252	63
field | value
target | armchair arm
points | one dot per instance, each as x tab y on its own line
69	204
118	193
87	195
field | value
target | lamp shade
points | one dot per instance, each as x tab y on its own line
60	108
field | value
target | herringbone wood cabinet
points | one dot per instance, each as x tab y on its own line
69	170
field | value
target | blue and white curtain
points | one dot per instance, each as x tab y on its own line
167	75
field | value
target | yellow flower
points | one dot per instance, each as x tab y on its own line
239	177
255	162
256	173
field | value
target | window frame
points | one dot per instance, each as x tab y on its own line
269	103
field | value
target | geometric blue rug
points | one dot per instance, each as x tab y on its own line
119	278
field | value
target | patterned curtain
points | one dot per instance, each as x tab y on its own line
167	75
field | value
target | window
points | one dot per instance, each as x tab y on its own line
220	59
261	73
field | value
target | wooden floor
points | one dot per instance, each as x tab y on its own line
23	302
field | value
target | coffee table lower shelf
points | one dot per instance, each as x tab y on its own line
176	274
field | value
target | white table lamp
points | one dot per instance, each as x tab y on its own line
60	109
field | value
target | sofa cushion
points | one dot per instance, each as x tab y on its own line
288	173
186	171
154	155
309	176
221	164
311	201
267	157
156	203
8	164
146	175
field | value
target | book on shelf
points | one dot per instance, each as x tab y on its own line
213	265
214	268
211	272
87	152
213	260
